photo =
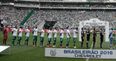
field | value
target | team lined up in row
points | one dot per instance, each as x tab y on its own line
53	34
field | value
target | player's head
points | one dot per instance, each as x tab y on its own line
94	29
35	27
101	29
21	27
82	29
111	28
76	28
6	26
15	26
28	27
55	28
50	28
67	27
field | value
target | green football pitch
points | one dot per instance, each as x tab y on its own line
30	53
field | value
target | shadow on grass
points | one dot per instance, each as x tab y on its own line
1	55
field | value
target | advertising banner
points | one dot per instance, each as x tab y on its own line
80	53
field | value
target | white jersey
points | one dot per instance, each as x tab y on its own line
14	30
20	32
55	33
35	32
42	33
61	33
27	32
49	34
67	33
74	33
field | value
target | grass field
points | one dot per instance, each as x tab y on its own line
30	53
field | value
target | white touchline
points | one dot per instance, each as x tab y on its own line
87	59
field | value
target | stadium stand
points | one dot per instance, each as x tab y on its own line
66	14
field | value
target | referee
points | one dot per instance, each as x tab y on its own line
101	37
88	37
94	37
82	37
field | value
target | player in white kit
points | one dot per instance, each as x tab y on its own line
14	34
49	37
20	31
61	36
68	36
35	34
27	33
54	36
74	36
42	34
